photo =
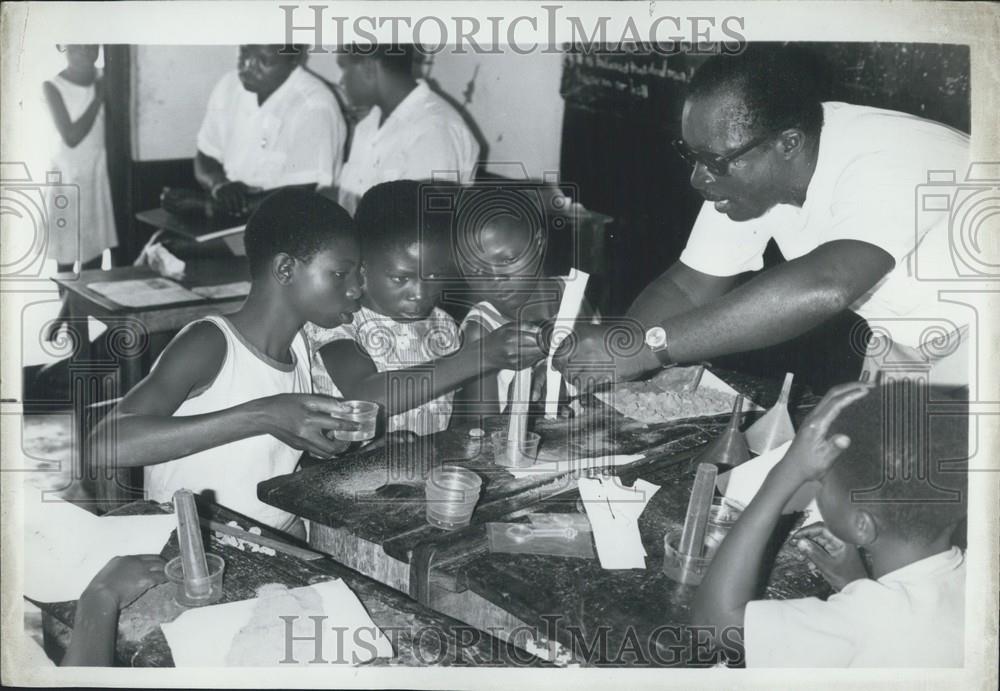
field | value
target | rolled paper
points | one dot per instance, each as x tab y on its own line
569	309
196	581
696	521
517	431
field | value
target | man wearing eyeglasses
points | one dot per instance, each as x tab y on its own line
268	124
834	185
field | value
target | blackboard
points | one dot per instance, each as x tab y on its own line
930	80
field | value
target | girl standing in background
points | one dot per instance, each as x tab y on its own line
75	98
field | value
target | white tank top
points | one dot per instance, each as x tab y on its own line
233	470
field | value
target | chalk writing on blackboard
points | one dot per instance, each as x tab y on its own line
930	80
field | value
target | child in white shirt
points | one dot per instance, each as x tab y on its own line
890	505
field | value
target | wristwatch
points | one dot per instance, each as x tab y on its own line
656	340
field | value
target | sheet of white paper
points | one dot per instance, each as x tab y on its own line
202	637
544	467
144	292
613	511
569	309
744	481
224	290
66	546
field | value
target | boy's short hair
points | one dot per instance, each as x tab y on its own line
907	464
296	222
397	214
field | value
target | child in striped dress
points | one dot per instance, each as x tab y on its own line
401	350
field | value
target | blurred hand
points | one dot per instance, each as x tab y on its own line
512	346
839	562
597	354
233	197
302	420
126	578
812	454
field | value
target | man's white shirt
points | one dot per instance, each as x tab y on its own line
423	138
296	137
864	187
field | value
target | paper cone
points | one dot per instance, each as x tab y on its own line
774	428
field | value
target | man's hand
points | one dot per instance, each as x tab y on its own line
124	579
596	354
812	453
301	420
233	196
839	562
512	346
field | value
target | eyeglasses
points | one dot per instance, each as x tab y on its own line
716	164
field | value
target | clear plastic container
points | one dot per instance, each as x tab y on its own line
452	494
197	592
688	569
512	455
363	412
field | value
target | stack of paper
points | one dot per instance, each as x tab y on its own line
145	292
65	546
614	512
319	624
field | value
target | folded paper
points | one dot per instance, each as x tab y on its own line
613	511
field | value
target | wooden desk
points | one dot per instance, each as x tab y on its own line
419	635
390	540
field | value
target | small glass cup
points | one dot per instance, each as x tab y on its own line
363	412
196	592
452	494
689	569
512	455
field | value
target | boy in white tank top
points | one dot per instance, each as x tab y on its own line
229	403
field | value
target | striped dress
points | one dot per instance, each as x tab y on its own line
392	345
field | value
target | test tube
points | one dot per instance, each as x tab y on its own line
696	521
196	581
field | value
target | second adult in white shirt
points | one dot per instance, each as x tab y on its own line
409	133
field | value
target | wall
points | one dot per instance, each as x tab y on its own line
512	99
170	87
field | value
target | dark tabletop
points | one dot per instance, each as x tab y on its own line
418	635
613	617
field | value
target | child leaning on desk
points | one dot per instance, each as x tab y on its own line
229	403
502	244
890	504
400	341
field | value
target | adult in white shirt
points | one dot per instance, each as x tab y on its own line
269	124
409	133
835	186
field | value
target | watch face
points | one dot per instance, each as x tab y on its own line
656	337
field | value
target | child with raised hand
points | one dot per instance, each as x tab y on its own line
75	100
891	500
502	240
229	403
402	350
